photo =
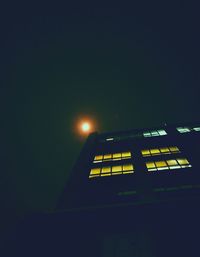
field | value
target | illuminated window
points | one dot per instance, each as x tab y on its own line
127	168
188	129
110	139
160	151
112	157
95	172
183	129
126	155
168	164
196	129
111	170
98	158
106	170
117	156
107	156
155	133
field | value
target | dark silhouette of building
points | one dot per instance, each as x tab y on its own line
131	193
134	167
137	192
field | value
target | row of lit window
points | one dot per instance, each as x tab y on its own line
160	151
162	132
112	157
129	168
155	133
188	129
127	155
111	170
168	164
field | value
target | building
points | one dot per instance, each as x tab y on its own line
131	194
136	193
137	166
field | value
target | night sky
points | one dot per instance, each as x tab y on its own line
123	66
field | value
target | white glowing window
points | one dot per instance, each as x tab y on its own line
183	129
110	139
146	134
196	129
162	132
155	133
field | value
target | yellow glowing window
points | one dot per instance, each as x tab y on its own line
116	155
112	157
183	161
164	150
174	149
168	164
116	168
172	162
150	165
95	171
106	170
98	157
127	167
154	151
107	156
145	152
160	151
126	155
161	164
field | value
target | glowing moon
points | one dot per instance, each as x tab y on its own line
86	127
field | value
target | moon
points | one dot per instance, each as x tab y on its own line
86	127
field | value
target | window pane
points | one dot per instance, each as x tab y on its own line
106	170
183	129
174	149
107	156
98	157
117	155
164	150
197	129
162	132
161	164
110	139
95	171
126	154
172	162
146	134
154	151
145	152
127	167
116	168
183	161
150	165
154	133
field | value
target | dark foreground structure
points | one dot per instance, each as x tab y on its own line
133	193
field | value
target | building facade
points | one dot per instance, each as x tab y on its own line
131	194
135	167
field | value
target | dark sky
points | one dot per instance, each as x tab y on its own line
125	66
